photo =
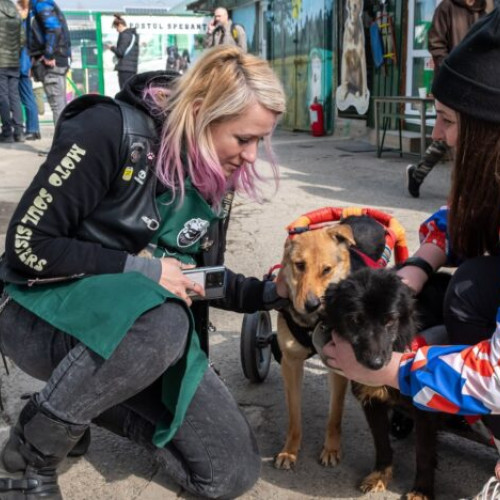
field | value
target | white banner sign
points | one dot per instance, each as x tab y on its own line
165	25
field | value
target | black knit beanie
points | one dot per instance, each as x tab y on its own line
469	78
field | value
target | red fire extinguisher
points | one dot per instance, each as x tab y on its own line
317	118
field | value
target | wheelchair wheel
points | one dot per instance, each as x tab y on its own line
255	345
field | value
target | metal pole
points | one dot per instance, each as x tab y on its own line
377	126
422	128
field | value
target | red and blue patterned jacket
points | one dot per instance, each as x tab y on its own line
453	379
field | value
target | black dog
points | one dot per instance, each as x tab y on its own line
374	311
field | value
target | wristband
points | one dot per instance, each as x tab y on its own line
420	263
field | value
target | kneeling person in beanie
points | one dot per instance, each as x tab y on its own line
466	235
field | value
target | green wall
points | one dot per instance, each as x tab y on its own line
300	35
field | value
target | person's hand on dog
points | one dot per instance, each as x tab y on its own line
281	288
340	355
173	280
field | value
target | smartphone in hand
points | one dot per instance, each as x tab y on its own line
212	279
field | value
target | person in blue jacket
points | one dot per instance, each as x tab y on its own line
49	47
32	125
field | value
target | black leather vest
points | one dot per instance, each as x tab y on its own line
127	218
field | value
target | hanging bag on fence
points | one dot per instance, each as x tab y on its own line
376	45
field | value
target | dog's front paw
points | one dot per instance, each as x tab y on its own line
285	460
376	481
415	495
330	457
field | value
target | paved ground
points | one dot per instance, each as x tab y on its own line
314	174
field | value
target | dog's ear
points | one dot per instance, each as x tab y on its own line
288	246
342	232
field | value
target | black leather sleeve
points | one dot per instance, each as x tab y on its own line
243	294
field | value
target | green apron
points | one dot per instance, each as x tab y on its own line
99	310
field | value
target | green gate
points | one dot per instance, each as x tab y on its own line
86	73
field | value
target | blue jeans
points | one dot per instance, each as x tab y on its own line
29	103
11	112
214	453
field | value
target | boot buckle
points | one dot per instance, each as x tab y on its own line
26	484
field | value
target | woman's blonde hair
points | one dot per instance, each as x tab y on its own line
220	86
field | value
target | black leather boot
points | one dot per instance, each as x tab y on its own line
42	441
11	457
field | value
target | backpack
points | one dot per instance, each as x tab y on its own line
235	32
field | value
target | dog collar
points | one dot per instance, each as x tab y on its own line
368	261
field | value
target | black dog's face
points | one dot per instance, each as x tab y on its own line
373	310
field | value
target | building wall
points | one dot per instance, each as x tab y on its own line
246	15
302	54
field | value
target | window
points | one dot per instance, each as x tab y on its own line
419	62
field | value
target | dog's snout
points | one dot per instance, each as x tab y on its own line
312	302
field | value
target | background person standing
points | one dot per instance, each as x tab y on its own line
49	46
126	50
32	125
221	30
11	42
450	23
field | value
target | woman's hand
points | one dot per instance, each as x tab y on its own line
173	280
51	63
281	287
340	355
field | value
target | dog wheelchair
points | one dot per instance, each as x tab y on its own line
258	342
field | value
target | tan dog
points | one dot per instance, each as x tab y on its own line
311	261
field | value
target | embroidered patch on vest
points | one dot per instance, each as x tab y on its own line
136	151
192	231
128	172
